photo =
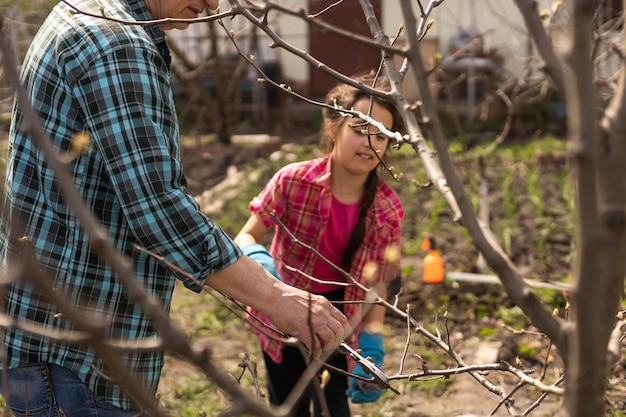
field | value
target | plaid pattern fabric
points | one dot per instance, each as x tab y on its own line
301	197
111	80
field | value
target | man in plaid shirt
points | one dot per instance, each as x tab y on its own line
111	80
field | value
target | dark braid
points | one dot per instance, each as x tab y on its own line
358	233
346	96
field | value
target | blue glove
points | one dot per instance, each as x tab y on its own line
371	346
262	256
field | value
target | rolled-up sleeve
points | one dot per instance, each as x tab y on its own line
270	200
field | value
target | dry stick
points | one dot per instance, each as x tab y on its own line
307	377
529	10
408	340
586	374
483	207
315	382
329	7
415	136
251	365
508	398
500	366
168	20
542	397
507	124
544	369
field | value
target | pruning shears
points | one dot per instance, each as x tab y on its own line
379	379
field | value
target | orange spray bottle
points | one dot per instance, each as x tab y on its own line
433	272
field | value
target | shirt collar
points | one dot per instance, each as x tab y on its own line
324	175
140	11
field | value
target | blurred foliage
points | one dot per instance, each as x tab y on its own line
28	6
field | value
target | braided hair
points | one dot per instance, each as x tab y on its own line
358	233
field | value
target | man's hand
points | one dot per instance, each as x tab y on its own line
311	318
316	322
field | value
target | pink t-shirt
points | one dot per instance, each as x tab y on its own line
333	244
299	195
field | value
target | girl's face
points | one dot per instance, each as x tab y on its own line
356	152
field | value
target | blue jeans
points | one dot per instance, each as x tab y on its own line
50	390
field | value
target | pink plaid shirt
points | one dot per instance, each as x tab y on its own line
301	197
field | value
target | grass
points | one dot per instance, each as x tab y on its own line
28	6
212	322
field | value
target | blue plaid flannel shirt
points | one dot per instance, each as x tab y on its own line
111	80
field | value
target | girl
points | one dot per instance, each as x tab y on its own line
338	205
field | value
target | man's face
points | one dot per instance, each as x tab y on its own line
178	9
